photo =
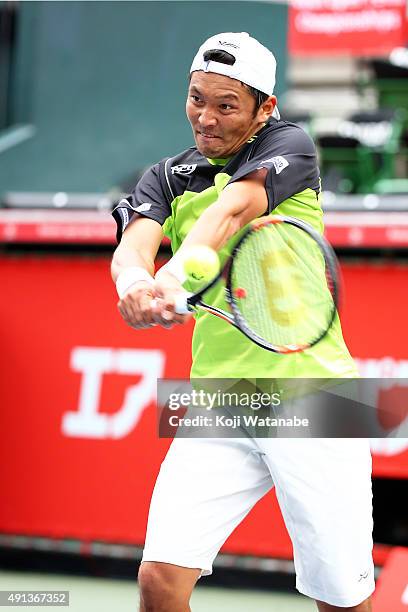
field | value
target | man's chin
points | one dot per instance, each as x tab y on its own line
211	152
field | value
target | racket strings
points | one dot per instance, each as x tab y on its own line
267	296
287	297
270	313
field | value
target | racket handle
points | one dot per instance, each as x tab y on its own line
181	305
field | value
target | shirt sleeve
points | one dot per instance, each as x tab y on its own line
289	155
150	198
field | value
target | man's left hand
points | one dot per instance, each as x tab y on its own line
166	287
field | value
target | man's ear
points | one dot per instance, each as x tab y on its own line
266	109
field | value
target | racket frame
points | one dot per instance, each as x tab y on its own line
235	318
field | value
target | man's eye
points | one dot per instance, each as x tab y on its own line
226	106
195	98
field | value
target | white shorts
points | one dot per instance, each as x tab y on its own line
207	486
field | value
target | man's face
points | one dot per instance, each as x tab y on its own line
222	114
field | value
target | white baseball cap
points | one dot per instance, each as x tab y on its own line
250	62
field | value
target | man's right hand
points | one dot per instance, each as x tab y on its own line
136	305
141	309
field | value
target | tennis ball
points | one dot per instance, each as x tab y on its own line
201	263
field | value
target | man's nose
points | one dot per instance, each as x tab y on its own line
207	118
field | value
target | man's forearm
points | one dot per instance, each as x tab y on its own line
238	204
213	230
138	247
126	256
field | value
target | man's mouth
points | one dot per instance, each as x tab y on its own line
207	136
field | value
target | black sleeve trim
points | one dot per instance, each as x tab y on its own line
151	198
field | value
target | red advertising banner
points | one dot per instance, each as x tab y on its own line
357	27
343	229
392	587
79	449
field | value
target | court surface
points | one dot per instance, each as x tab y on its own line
106	595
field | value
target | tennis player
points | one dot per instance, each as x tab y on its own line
246	163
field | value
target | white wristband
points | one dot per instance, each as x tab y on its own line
175	267
130	276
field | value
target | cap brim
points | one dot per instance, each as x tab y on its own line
276	113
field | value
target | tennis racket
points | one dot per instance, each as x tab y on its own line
281	286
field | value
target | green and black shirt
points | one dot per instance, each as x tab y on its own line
176	191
